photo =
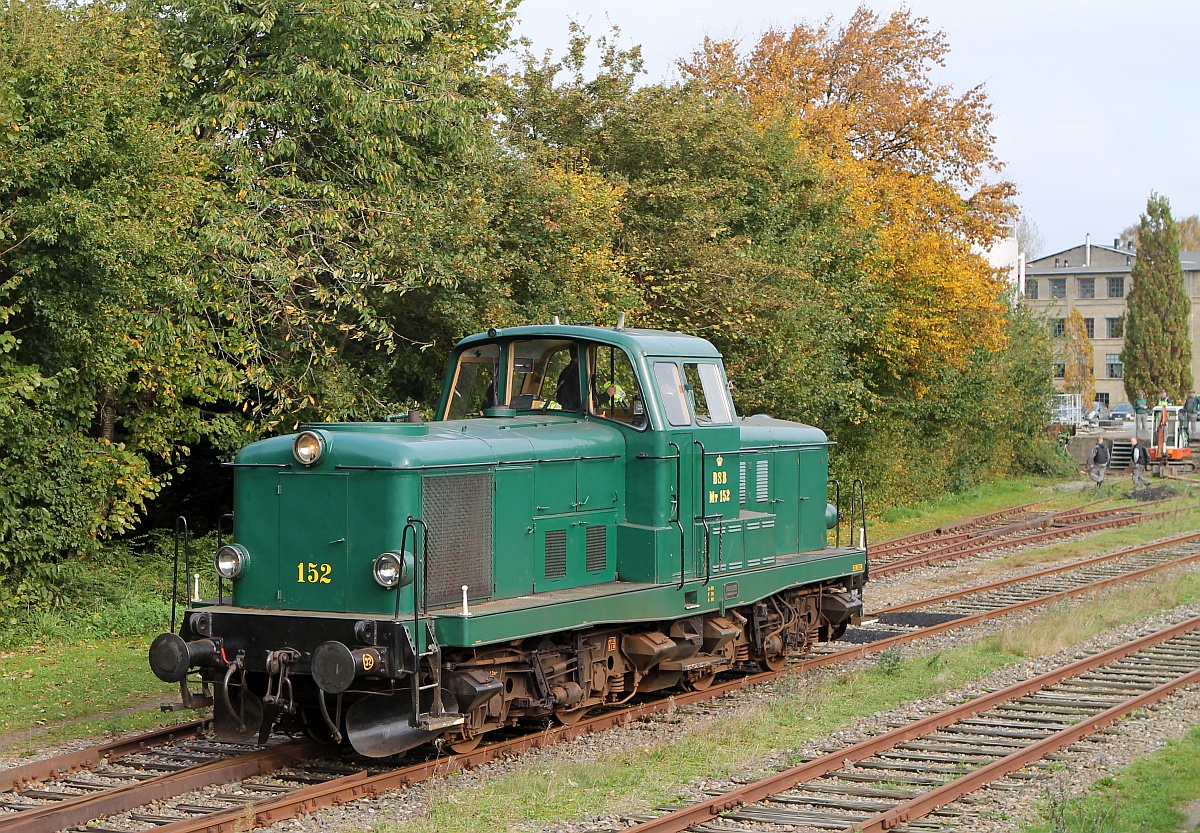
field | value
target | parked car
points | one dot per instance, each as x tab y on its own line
1122	412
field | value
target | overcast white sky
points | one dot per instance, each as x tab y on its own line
1097	103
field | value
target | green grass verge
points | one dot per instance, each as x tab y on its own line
1147	796
69	691
799	709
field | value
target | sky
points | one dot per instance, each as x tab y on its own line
1096	104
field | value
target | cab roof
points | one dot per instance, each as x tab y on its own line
633	341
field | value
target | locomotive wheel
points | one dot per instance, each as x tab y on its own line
701	682
463	745
775	663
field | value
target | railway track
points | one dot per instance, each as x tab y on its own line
296	787
1016	528
895	780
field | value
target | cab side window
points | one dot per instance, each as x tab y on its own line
709	393
672	393
614	390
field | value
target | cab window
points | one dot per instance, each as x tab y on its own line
709	394
474	382
671	392
614	392
545	376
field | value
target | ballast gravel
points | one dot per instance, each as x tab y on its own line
1002	810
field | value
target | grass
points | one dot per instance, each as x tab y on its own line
798	709
1146	796
53	693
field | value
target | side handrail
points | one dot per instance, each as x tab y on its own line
420	605
837	504
228	516
181	531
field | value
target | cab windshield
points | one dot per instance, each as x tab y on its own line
474	382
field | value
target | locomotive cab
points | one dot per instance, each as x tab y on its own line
586	518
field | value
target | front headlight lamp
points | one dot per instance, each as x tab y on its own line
231	560
394	569
308	447
388	570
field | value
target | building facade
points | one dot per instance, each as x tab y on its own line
1096	280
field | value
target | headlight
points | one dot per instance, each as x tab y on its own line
308	447
388	569
230	560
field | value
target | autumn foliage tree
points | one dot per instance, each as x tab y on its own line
915	159
1078	373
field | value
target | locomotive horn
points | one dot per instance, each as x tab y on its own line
377	725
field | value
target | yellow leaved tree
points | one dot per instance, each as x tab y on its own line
915	160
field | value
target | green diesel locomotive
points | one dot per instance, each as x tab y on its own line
587	518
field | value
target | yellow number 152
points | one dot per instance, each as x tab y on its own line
315	573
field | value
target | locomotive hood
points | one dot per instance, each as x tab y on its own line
444	444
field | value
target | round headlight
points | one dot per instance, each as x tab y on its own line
308	447
230	560
388	569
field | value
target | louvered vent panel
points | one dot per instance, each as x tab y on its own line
762	470
556	553
458	510
597	548
742	483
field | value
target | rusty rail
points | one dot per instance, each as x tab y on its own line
706	810
363	784
14	777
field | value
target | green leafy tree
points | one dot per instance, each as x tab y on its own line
107	368
1078	374
1158	349
330	123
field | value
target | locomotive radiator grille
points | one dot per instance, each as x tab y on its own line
556	553
763	480
458	510
597	549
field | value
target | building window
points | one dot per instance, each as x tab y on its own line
1031	288
1116	287
1102	398
1058	287
1116	370
1090	324
1060	370
1116	327
1085	287
1058	326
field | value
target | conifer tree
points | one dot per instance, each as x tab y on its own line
1158	351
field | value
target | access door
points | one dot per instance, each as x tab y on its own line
312	555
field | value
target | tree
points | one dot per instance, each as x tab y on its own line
107	367
331	124
1158	348
1078	355
1189	233
1029	238
914	160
